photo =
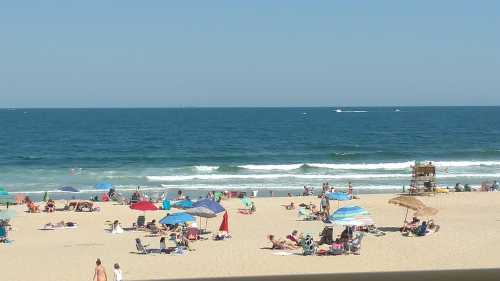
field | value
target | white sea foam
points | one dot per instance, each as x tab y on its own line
465	163
285	167
364	166
369	166
271	177
206	168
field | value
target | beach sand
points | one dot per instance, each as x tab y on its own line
468	238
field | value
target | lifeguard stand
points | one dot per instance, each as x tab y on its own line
423	178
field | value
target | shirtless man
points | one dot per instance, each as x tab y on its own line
100	272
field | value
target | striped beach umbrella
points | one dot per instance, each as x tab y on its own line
348	212
355	221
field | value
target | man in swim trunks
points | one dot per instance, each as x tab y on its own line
100	272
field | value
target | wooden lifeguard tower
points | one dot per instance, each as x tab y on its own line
423	179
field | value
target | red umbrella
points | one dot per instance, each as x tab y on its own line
224	226
143	206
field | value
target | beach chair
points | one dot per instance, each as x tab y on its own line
308	246
193	233
354	246
3	234
141	222
141	249
326	236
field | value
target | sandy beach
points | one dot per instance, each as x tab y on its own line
470	227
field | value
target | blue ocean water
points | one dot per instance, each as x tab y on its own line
254	148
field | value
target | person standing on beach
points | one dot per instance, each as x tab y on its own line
118	272
100	272
349	190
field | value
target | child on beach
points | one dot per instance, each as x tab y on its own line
117	273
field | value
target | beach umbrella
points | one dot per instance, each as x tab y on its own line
144	206
103	186
201	212
362	220
184	204
177	218
338	196
224	226
68	189
7	214
426	212
3	192
46	196
408	202
209	204
348	212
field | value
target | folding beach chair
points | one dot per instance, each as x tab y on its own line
141	222
354	246
141	249
326	236
3	234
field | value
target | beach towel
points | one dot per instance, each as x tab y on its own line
281	253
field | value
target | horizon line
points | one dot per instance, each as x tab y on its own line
236	107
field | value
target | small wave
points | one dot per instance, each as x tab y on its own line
270	177
285	167
361	166
350	111
367	166
206	168
465	163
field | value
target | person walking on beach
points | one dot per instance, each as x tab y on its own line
100	272
349	190
118	272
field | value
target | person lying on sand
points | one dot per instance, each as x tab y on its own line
279	244
410	226
294	237
291	206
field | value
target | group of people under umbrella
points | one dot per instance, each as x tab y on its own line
357	221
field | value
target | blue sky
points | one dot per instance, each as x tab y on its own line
249	53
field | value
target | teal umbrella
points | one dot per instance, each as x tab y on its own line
7	214
3	192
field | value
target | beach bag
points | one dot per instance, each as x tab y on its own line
308	247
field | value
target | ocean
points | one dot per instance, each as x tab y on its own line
279	149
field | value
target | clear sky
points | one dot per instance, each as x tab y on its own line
248	53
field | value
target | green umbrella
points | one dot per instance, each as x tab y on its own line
46	196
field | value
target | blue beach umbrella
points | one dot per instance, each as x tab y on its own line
177	218
184	204
68	189
338	196
348	212
209	204
104	186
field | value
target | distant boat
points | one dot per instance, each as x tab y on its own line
338	110
397	110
